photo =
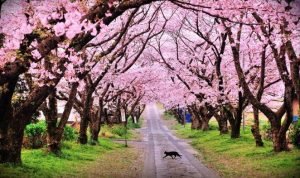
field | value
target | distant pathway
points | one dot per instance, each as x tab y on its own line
158	139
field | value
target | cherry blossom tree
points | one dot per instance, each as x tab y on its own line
237	19
218	49
53	31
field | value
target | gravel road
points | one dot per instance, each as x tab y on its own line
158	138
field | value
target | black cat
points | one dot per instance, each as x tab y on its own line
172	154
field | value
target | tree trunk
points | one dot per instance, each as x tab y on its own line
279	129
95	127
235	130
139	113
280	143
6	119
196	122
12	132
138	117
11	144
236	126
83	130
94	134
51	114
54	141
235	123
55	129
205	125
85	119
15	145
235	120
222	123
83	139
223	126
255	129
279	140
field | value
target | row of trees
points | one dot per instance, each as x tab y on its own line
245	58
79	52
123	54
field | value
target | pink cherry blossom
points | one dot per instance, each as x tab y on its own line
59	29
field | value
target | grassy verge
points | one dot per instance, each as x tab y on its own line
168	116
118	131
240	157
124	163
75	160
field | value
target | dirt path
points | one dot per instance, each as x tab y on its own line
157	139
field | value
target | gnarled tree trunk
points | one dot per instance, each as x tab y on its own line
95	124
14	121
205	125
222	122
206	113
235	120
196	121
55	129
11	143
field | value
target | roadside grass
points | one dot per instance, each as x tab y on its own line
118	131
240	157
168	116
123	163
74	159
82	160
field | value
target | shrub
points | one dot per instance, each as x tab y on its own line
36	135
34	129
118	130
294	134
69	133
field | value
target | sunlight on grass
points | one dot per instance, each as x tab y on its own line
118	131
240	157
39	163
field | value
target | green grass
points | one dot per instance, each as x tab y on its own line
118	131
240	157
131	125
168	116
75	158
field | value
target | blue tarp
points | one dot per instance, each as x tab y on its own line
295	118
188	117
186	114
